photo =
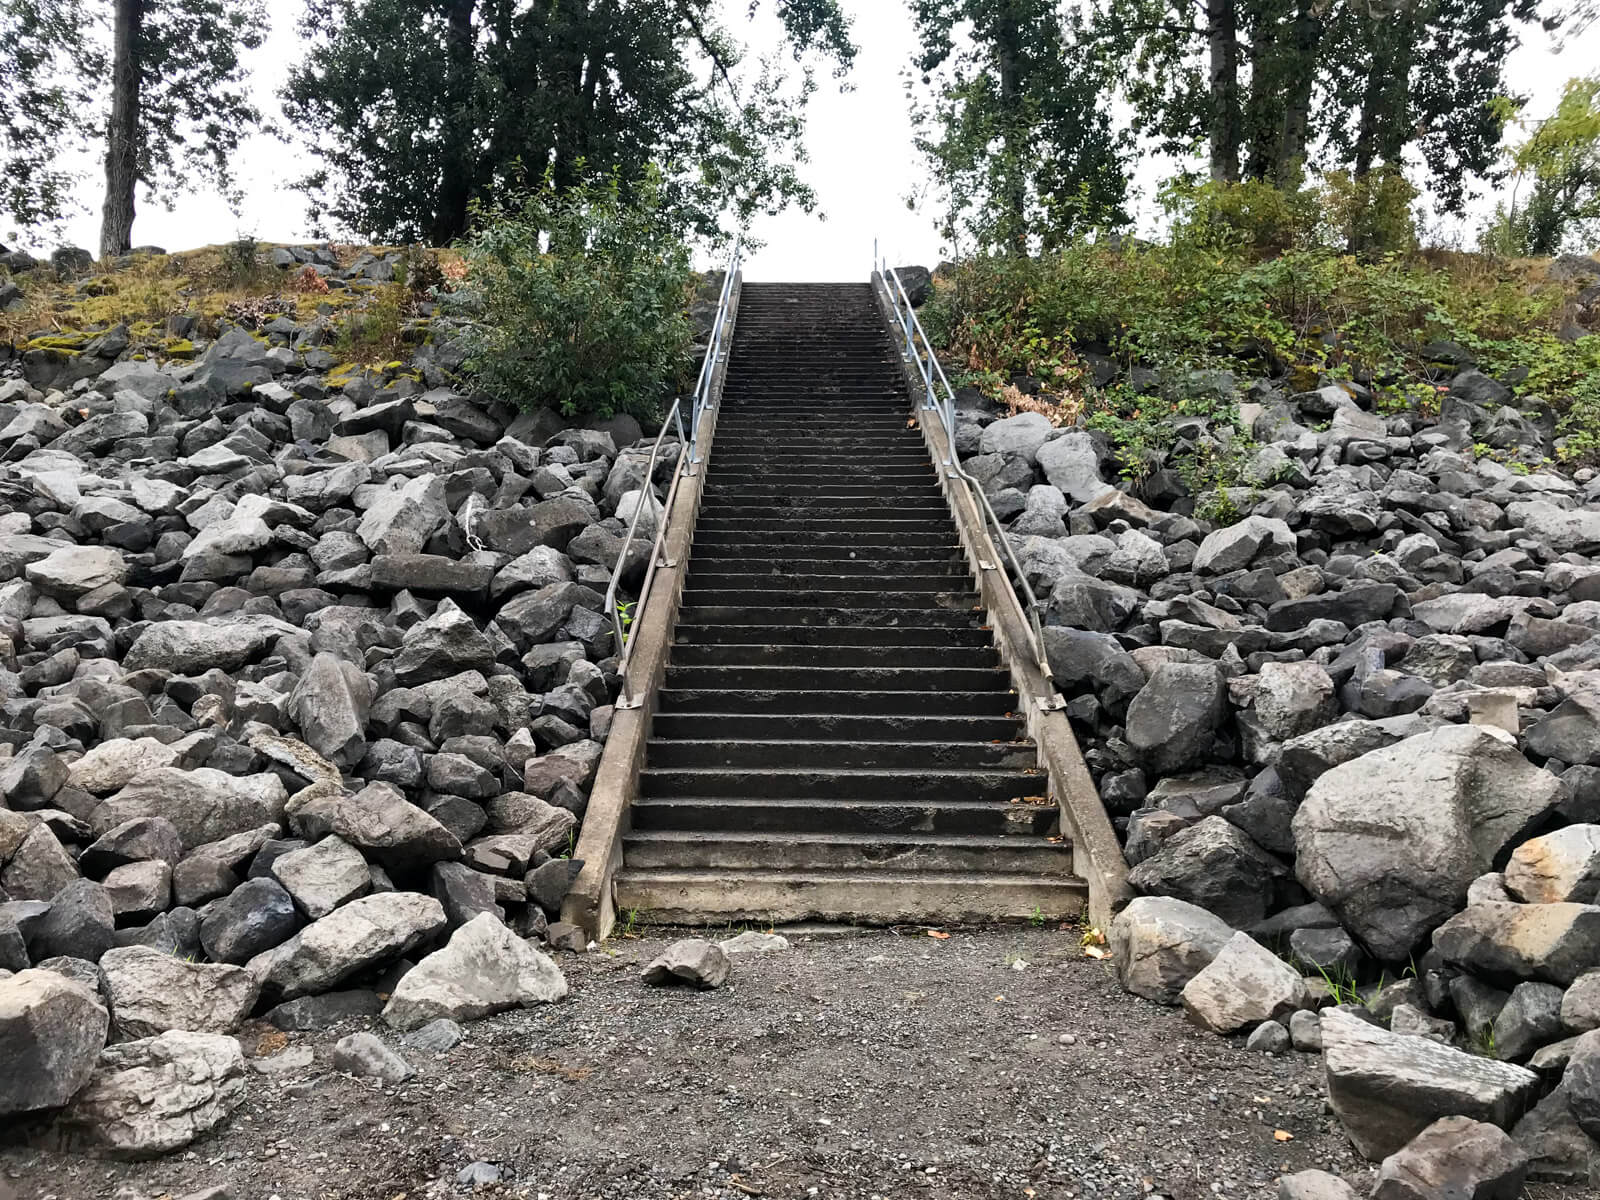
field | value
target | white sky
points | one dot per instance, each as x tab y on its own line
862	166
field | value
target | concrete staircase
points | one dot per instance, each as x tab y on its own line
836	736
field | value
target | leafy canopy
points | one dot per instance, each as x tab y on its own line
416	109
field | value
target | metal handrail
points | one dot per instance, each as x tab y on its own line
688	459
944	405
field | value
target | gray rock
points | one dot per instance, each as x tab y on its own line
363	933
1580	1004
1305	1031
1072	463
465	893
254	918
1022	434
74	571
51	1034
1244	985
330	705
193	647
691	961
1160	943
365	1054
1455	1156
204	805
1269	1037
1314	1185
754	942
1237	546
1507	943
401	519
1213	865
1571	731
80	923
1582	1082
435	1037
323	876
484	969
1173	719
381	823
1293	698
158	1094
1409	1019
151	992
1392	840
1558	1149
1530	1019
1386	1088
142	839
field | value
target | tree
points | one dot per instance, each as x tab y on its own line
1269	85
1017	123
417	109
173	100
179	104
1561	157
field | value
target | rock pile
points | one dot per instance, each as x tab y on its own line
1350	731
304	677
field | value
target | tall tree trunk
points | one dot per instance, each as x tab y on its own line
122	134
460	158
1305	35
1222	28
1264	102
1009	45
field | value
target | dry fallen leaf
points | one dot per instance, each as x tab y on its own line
1282	1135
936	933
1095	952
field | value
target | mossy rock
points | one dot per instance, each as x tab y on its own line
178	348
64	343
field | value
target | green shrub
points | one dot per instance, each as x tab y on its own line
586	303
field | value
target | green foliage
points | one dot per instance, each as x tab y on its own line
586	298
1015	123
1209	301
1561	157
417	109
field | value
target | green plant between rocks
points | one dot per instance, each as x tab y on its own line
586	297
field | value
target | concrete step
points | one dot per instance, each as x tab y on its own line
926	637
838	616
676	697
848	656
673	849
798	754
844	679
757	596
774	897
956	784
780	814
834	726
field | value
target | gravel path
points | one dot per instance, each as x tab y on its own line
996	1063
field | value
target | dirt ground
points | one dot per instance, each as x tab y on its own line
995	1063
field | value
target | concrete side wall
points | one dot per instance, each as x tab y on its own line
590	904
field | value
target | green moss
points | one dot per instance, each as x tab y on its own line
178	348
64	343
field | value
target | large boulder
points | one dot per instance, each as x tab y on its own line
158	1094
204	805
1173	719
51	1032
1388	1087
1071	462
151	992
365	932
1236	546
1391	840
1214	865
330	705
1160	943
194	647
1507	943
484	969
381	822
401	519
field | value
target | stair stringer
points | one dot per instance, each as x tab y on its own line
1097	856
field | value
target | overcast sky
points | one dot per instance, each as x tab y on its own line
862	163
